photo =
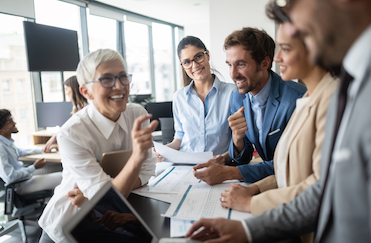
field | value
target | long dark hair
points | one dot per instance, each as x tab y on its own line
78	100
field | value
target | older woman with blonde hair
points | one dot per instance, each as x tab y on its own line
107	124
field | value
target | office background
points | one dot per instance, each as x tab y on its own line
146	32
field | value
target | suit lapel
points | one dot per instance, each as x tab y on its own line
271	109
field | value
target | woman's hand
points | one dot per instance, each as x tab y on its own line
76	197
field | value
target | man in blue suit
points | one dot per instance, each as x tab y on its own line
261	108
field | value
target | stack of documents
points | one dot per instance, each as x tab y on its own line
190	199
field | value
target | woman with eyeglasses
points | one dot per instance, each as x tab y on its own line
201	108
107	124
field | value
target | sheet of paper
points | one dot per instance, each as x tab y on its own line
164	197
179	227
171	180
201	201
175	156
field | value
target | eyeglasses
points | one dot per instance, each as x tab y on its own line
278	5
198	58
10	121
110	81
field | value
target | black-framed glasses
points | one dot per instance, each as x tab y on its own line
198	58
110	81
278	5
10	121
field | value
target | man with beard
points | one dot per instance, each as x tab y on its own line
12	170
261	108
337	206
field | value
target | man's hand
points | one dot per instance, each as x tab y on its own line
218	159
225	230
142	137
239	197
238	125
212	173
76	197
39	163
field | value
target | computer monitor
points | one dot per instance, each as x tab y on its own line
160	109
50	48
51	114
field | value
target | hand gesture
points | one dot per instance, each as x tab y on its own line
238	125
210	172
142	138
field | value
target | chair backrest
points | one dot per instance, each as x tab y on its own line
167	128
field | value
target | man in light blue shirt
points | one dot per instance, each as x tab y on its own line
12	170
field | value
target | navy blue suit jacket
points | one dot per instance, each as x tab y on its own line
280	105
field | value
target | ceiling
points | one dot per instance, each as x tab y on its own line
180	12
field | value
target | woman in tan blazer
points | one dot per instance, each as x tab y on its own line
297	156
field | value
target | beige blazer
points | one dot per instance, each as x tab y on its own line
305	145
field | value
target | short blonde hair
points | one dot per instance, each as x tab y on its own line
87	67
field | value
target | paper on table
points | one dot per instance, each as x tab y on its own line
172	180
179	227
201	201
175	156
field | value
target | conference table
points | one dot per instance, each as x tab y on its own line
148	208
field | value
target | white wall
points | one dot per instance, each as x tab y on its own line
225	17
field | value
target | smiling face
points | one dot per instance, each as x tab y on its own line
245	72
9	128
292	56
198	71
323	26
110	102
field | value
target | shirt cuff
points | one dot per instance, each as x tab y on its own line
237	155
247	231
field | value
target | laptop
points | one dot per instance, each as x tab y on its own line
109	217
113	162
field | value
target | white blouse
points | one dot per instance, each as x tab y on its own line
82	140
283	151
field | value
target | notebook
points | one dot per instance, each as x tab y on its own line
109	217
113	162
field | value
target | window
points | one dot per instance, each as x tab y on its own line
20	85
163	57
137	57
52	86
6	86
14	70
102	33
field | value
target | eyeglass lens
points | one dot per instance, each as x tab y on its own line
198	58
110	81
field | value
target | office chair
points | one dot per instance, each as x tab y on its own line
27	207
167	128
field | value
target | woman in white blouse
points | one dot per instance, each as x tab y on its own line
109	123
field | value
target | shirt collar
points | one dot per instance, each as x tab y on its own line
357	58
216	85
105	125
8	142
262	96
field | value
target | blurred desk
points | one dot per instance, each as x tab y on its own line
50	157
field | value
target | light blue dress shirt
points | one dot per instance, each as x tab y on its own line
203	127
10	168
258	104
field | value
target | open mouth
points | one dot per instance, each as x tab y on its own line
198	71
117	97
